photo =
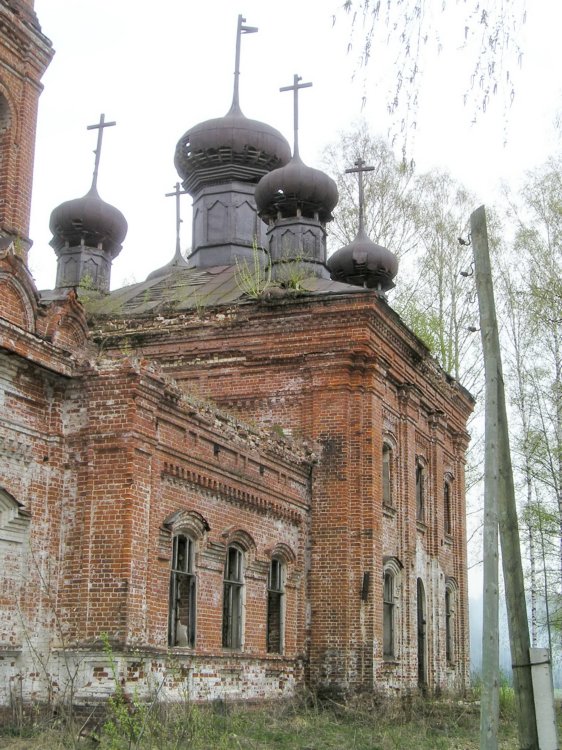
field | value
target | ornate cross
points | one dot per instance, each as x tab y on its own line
99	127
360	168
240	30
295	89
177	192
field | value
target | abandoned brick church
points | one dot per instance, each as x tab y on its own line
244	474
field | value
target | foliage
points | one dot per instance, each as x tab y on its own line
253	278
364	723
409	33
390	208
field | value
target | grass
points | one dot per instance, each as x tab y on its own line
304	724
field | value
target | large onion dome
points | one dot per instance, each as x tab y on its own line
88	221
229	148
296	189
364	263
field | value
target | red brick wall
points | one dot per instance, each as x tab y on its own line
330	369
24	54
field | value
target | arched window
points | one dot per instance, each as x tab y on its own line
388	615
232	623
391	585
387	474
420	490
275	606
450	605
447	506
183	593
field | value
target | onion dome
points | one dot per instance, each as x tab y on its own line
229	148
177	263
296	189
364	263
88	221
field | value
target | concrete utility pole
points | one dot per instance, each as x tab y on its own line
499	474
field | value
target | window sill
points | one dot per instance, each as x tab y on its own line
390	661
389	510
421	526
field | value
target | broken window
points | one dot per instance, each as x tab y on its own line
233	598
181	628
420	491
447	516
275	593
386	474
388	615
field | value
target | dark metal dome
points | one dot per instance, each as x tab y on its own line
364	263
296	186
89	220
229	148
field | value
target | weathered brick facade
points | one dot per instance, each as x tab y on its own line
24	56
237	496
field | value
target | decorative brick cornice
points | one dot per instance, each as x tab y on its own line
229	493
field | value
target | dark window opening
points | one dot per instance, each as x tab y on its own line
275	593
447	521
386	475
420	492
449	627
233	598
388	615
181	622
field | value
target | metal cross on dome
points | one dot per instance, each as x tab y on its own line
177	192
295	89
360	168
241	29
99	127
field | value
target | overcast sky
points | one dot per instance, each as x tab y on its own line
158	69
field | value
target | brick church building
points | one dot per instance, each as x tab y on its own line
242	475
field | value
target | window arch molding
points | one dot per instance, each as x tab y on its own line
240	538
14	518
282	552
189	521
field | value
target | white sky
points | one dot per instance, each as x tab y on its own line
158	69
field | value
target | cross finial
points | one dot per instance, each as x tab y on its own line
241	29
99	127
360	168
177	192
295	89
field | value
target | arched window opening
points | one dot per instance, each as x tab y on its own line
387	475
233	598
275	606
447	509
450	601
420	490
183	591
388	616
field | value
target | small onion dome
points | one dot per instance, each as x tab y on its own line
229	148
294	187
89	220
364	263
177	262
